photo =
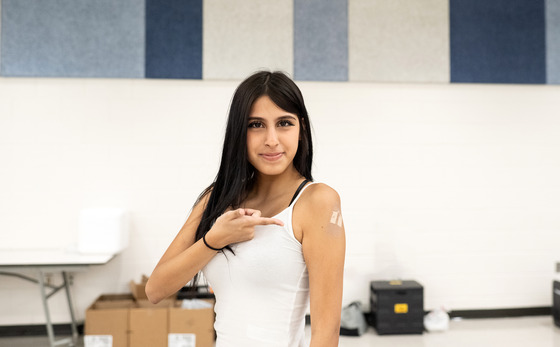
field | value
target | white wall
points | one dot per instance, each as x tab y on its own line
455	186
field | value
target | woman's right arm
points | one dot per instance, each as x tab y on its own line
183	259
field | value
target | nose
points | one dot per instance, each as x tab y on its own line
271	138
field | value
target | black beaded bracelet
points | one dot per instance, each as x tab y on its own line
207	245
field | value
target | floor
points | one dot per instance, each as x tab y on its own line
512	332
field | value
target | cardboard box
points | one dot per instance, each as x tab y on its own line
142	324
138	290
114	301
197	322
148	327
108	315
163	303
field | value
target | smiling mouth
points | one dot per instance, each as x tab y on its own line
272	156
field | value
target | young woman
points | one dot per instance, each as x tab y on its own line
267	239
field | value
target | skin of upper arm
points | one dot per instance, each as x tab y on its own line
324	247
186	235
185	238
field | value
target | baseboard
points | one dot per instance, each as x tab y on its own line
37	330
65	329
503	312
485	313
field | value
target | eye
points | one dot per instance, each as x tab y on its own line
285	123
256	124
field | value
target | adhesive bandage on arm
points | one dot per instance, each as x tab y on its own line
336	218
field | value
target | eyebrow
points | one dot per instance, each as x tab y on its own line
279	118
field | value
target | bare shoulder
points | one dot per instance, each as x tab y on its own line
320	196
189	228
318	216
317	203
200	205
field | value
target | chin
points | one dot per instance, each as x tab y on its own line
270	172
272	169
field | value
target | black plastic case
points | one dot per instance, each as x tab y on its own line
397	307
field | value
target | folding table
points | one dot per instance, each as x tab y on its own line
50	261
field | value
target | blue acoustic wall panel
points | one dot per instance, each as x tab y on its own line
174	39
553	41
73	38
498	41
243	36
0	37
321	40
399	40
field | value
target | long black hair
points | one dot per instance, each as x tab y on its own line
236	175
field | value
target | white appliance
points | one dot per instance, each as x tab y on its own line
103	230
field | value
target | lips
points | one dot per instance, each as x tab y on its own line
272	156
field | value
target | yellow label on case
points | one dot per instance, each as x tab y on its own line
401	308
395	283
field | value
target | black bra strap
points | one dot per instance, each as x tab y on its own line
298	190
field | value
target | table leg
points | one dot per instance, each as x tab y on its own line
70	306
50	331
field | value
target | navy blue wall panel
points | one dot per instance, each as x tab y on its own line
72	38
321	40
174	39
498	41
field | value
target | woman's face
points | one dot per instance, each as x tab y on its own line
272	137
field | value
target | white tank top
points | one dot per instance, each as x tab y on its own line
262	292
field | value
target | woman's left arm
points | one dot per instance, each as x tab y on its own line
324	246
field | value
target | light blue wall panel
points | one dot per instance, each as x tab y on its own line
553	41
321	40
73	38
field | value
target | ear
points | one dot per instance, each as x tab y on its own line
301	127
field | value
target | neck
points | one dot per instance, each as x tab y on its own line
274	185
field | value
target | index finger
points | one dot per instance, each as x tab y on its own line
252	212
267	221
